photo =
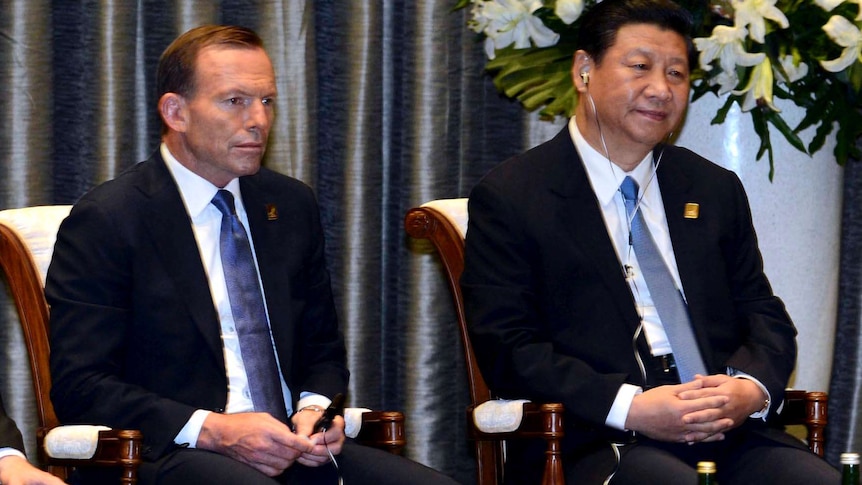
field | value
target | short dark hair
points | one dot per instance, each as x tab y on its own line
600	24
176	70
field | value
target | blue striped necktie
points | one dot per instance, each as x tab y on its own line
667	299
249	313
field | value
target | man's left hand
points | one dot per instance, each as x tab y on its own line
333	438
744	398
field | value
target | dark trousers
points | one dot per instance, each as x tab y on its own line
359	465
744	457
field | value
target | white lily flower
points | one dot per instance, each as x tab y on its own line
569	10
759	87
794	72
847	35
726	45
829	5
753	13
507	22
726	81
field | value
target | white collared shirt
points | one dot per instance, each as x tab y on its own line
605	178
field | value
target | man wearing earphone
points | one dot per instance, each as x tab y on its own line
564	249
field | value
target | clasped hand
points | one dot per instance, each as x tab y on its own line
698	411
267	444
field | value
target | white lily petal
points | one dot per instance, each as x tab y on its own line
569	10
726	82
759	87
716	46
846	59
842	31
847	35
542	36
752	14
794	72
828	5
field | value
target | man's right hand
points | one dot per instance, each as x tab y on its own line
256	439
658	414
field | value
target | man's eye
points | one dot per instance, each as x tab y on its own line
235	101
678	74
267	101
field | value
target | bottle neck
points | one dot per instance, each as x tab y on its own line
850	475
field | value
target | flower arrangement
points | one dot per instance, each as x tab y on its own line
808	52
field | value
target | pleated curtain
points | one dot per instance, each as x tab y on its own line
382	105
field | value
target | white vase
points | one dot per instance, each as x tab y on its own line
797	217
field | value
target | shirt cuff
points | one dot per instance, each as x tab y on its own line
4	452
311	399
188	436
763	413
622	403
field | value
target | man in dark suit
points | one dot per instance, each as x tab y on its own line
14	467
560	295
149	328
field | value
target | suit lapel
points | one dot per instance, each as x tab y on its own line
171	234
271	244
580	217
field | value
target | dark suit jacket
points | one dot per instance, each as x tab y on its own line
10	435
551	315
135	337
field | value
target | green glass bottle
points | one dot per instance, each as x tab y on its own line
706	473
849	468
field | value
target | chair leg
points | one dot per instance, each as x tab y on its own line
130	455
815	420
553	426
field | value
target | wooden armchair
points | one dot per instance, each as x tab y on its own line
444	223
26	244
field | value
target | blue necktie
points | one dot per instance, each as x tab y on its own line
667	299
249	314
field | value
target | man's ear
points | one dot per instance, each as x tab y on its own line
581	67
172	108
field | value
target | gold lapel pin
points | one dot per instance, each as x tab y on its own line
271	212
692	210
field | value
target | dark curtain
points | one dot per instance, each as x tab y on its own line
383	105
844	431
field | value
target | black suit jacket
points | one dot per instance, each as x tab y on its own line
10	435
135	337
551	315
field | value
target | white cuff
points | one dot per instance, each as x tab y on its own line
622	403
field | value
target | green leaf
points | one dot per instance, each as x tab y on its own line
461	4
722	112
778	122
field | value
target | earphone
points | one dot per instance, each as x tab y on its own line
585	75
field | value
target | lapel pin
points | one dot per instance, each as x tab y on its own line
271	212
692	210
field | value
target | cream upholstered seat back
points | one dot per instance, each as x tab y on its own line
455	211
37	226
